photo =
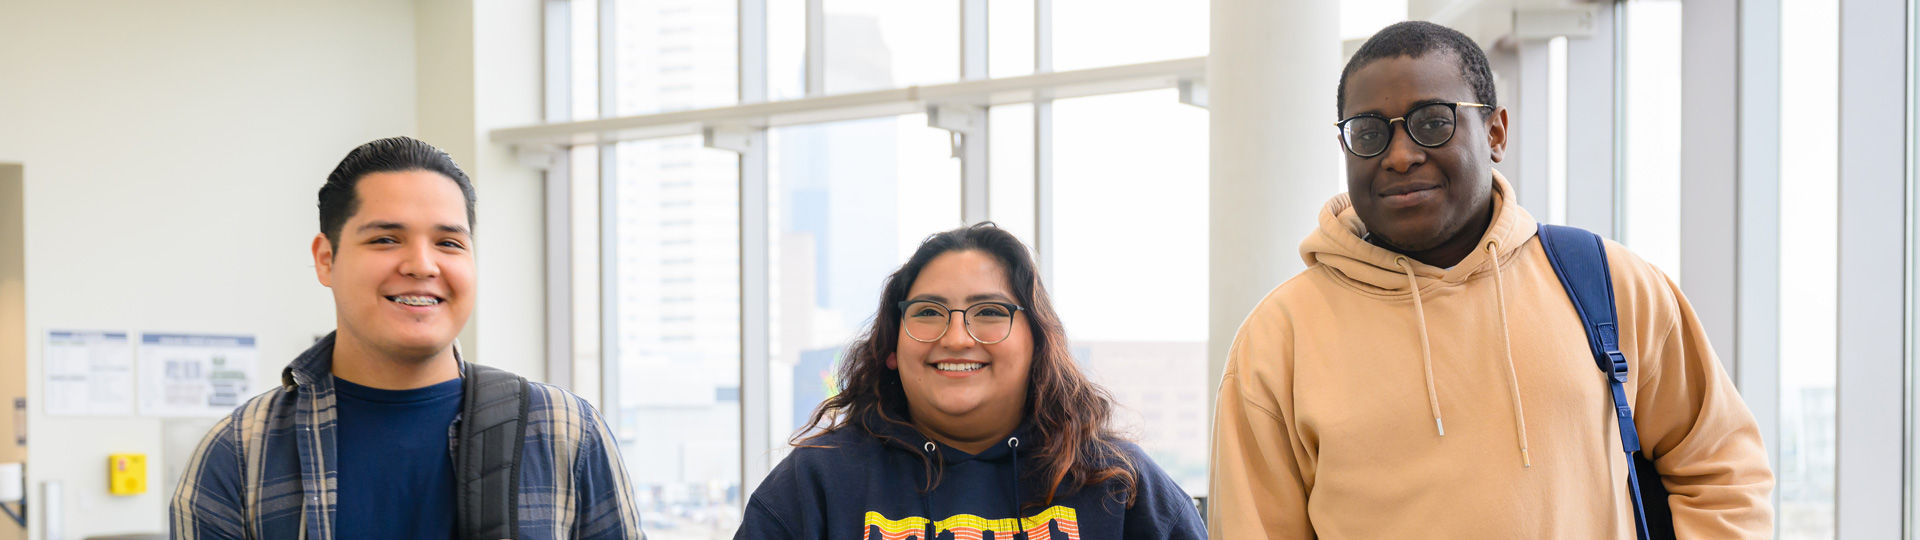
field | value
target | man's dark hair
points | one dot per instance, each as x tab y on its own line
338	201
1415	39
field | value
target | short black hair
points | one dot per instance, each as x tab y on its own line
338	200
1415	39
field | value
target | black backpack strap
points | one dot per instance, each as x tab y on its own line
486	461
1579	257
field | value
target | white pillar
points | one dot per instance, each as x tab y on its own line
1274	159
1709	193
1590	124
1757	330
1870	483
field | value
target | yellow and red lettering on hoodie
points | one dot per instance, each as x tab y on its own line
1340	384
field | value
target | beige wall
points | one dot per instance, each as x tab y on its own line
172	155
172	152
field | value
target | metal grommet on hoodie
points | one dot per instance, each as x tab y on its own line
929	447
1013	442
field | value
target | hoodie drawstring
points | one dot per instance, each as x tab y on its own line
1019	525
1506	342
926	497
1426	351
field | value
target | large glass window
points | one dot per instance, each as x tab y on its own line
786	49
672	55
879	44
1131	281
583	68
1360	19
850	202
1010	194
673	369
1809	215
1095	33
1010	38
677	295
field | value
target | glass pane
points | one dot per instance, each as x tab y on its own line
1157	370
879	44
1652	138
786	49
1010	170
850	202
678	299
1009	38
1095	33
673	55
1359	19
1809	223
584	50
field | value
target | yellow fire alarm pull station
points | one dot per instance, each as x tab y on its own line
127	474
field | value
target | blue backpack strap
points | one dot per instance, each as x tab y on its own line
1579	257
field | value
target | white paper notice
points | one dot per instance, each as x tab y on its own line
89	373
195	375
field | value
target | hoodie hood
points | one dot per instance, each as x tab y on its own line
904	438
1340	244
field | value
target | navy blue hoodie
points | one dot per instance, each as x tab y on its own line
873	486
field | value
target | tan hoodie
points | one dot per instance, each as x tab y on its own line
1355	407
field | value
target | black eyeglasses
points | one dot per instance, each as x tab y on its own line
1430	125
926	321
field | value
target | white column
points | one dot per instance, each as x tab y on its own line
1043	240
1709	163
1757	330
756	393
974	157
1271	74
1872	245
557	71
1590	127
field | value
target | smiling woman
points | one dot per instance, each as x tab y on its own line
964	369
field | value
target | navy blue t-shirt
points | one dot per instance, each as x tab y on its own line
396	474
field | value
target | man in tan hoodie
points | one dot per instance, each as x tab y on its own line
1427	377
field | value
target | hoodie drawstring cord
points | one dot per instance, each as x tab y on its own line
1506	342
926	497
1019	525
1426	351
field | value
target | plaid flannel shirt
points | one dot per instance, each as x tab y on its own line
266	471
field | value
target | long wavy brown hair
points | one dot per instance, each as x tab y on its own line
1066	410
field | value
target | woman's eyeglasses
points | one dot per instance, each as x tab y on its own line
927	321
